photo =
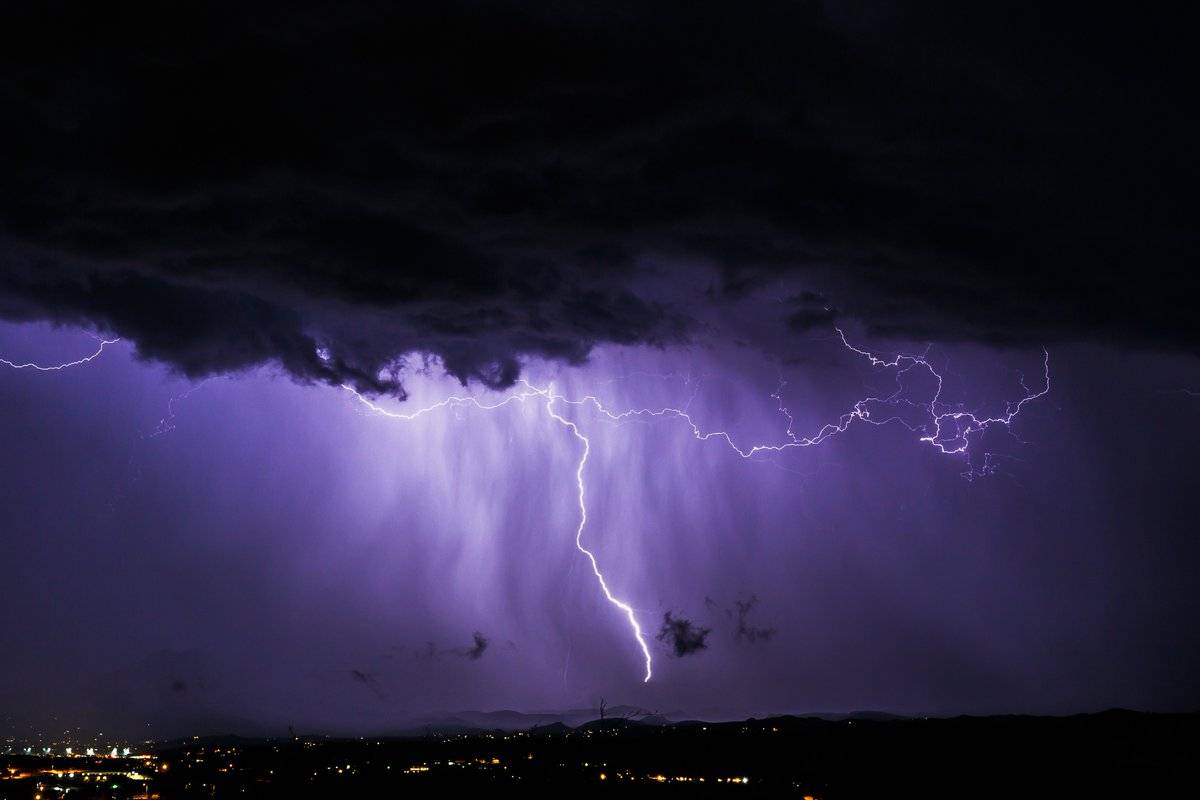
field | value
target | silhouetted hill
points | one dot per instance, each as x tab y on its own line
1114	753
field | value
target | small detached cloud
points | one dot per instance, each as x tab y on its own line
476	651
746	632
683	636
370	681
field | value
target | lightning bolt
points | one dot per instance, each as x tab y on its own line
583	518
528	391
167	423
965	424
66	365
949	428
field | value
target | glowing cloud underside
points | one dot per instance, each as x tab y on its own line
528	392
949	428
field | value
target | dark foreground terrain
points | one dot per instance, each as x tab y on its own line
1116	753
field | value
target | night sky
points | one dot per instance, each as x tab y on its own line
773	217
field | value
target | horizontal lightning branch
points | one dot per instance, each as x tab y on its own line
949	429
66	365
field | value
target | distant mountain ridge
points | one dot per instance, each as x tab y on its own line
508	720
549	724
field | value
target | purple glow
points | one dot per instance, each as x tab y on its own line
966	423
849	349
302	537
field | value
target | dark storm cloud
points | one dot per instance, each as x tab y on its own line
230	186
811	310
684	637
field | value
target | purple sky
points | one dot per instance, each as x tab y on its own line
237	565
653	201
